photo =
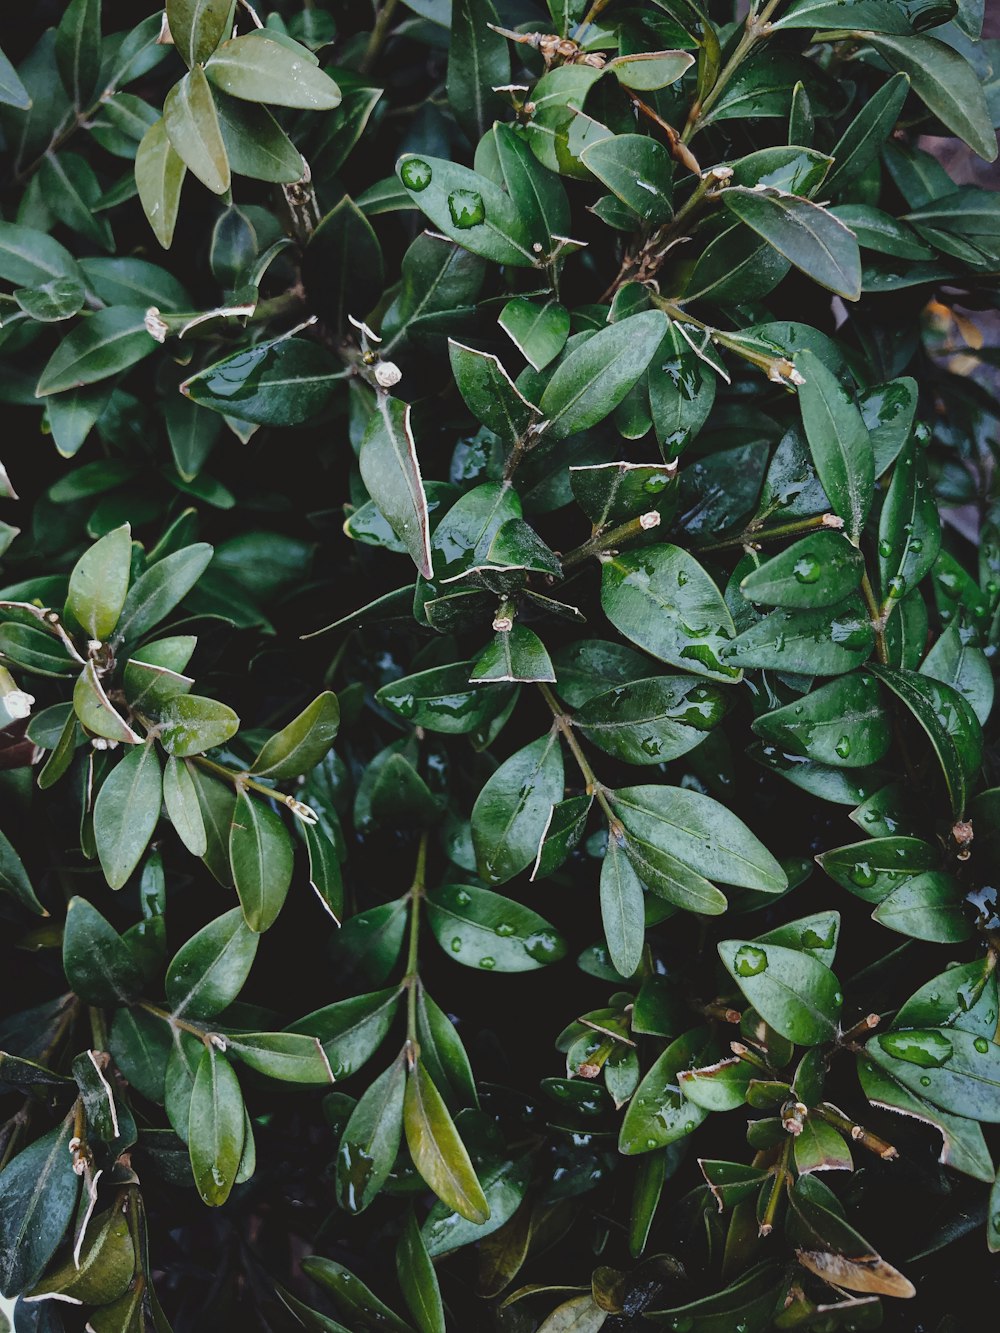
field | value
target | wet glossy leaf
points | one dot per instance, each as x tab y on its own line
468	208
804	233
594	378
100	346
198	26
927	907
965	668
819	570
839	443
351	1030
208	971
489	392
909	533
511	811
659	1114
126	813
391	473
38	1193
485	930
286	381
844	723
14	878
828	641
792	991
192	125
291	1057
662	599
948	722
636	169
353	1299
300	745
537	329
258	69
191	724
217	1127
872	869
478	62
260	853
653	720
418	1279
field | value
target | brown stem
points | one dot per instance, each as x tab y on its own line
678	149
877	619
611	539
751	535
379	36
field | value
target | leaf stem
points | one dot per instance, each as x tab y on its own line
170	1018
412	979
757	27
877	619
379	36
240	780
611	538
565	725
751	535
781	1176
856	1132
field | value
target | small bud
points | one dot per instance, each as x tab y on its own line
103	743
387	373
301	811
537	247
218	1041
650	520
155	326
18	704
589	1071
94	646
503	624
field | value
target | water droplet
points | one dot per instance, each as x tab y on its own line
682	578
462	899
467	208
981	1045
415	174
885	549
456	944
843	747
807	569
504	928
487	964
863	875
897	586
916	545
929	1049
924	1081
545	946
750	961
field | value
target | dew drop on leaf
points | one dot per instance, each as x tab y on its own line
981	1045
750	961
843	747
416	174
487	964
929	1049
467	208
863	875
807	569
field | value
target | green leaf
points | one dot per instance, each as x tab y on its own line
953	1069
826	642
659	1114
159	175
126	813
504	1185
198	26
99	583
663	600
391	473
12	90
38	1194
872	869
819	570
792	991
699	832
870	15
217	1127
260	853
208	971
180	799
370	1141
816	935
324	869
192	125
612	492
191	724
256	145
30	258
594	378
538	331
963	667
370	942
844	723
444	1055
860	142
353	1298
342	265
622	908
539	193
162	587
489	392
52	302
78	50
963	996
482	929
649	70
13	876
653	720
103	1268
839	443
949	724
99	965
95	710
946	83
300	745
352	1030
101	345
806	234
909	529
258	69
512	809
283	382
514	655
478	62
468	208
438	1153
441	699
637	170
418	1280
291	1057
927	907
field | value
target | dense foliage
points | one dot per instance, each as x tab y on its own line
639	346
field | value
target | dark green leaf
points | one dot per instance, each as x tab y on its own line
438	1153
38	1193
217	1127
370	1142
791	990
208	971
844	723
99	965
258	69
511	811
807	235
101	345
485	930
391	472
838	441
820	570
260	853
126	813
